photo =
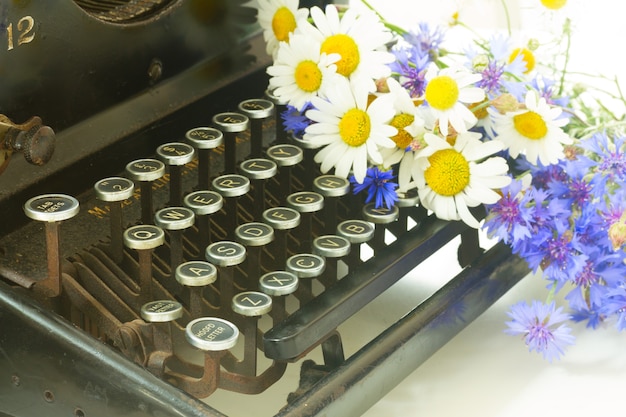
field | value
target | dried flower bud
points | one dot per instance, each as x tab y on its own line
381	85
505	103
480	62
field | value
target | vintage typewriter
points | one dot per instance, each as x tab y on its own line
164	240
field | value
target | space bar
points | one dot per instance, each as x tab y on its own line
304	329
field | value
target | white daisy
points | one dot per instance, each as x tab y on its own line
349	130
447	91
358	37
456	177
410	137
300	72
534	131
278	19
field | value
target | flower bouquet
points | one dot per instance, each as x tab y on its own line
482	124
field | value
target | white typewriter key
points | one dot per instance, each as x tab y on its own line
204	139
204	203
144	238
408	199
356	231
254	234
331	246
52	209
380	215
225	253
251	303
230	124
281	105
281	218
306	265
331	187
231	185
196	275
306	201
211	334
175	220
257	110
286	156
145	171
175	155
278	283
258	170
161	311
115	190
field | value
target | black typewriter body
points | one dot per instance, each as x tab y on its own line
149	303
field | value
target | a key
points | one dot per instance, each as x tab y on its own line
196	275
251	305
258	170
231	186
285	156
331	247
278	284
144	239
230	124
175	220
254	236
258	110
145	171
281	106
331	187
356	232
52	209
305	266
225	255
203	204
175	155
204	139
306	203
379	216
161	314
282	220
115	190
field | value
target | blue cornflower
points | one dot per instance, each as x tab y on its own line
508	219
410	67
427	40
615	303
545	88
537	323
491	80
609	159
576	190
379	186
294	120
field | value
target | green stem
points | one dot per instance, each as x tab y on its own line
508	16
568	35
394	28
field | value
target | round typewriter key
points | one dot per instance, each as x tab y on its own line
174	218
306	265
408	199
257	108
51	207
331	246
161	311
204	202
306	201
252	303
114	189
254	234
356	231
258	168
285	155
331	185
144	236
211	333
225	253
231	122
205	137
196	273
305	143
282	218
145	169
278	283
175	153
231	185
380	215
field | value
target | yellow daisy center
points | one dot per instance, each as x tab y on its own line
354	127
283	23
308	76
530	125
347	48
442	92
403	138
553	4
448	173
527	56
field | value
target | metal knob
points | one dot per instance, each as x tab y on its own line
34	139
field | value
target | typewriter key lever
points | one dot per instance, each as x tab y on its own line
32	138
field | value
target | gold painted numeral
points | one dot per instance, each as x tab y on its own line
25	32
